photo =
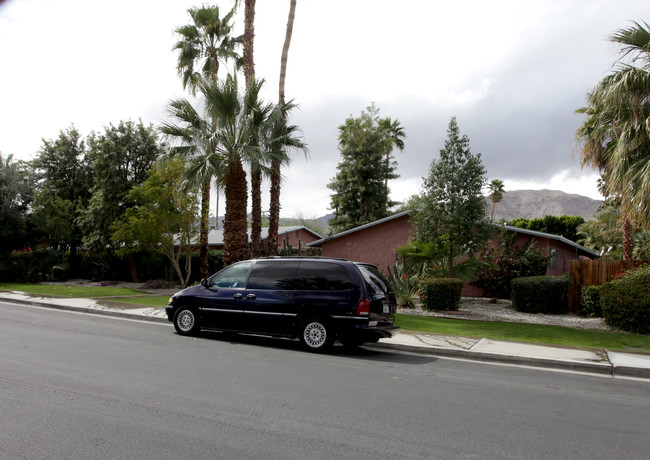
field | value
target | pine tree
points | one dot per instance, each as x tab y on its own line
453	211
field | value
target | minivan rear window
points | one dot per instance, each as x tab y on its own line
316	276
375	281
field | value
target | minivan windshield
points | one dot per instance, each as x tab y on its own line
377	284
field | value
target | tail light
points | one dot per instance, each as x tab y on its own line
363	309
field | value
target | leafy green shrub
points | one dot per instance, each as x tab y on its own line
625	301
507	262
541	294
440	293
590	301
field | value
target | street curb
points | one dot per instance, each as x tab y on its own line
593	368
93	311
629	371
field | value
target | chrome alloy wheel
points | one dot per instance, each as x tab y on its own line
185	320
315	335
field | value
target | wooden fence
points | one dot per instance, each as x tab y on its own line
597	271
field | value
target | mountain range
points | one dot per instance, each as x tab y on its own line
539	203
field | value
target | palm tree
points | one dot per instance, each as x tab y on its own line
256	171
615	138
397	135
205	44
276	176
191	137
239	121
278	140
202	47
496	194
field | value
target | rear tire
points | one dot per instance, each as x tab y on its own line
186	322
316	335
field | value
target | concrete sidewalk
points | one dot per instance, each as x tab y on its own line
599	361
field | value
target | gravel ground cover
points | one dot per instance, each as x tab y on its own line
482	309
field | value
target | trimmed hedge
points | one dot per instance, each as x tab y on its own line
541	294
590	302
625	301
440	293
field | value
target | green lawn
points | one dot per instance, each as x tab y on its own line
70	291
521	332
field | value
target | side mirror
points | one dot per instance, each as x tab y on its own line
204	282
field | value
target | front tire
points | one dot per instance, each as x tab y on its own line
316	335
186	322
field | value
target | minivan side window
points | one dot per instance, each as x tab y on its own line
231	277
273	275
318	276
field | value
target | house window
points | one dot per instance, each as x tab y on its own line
552	259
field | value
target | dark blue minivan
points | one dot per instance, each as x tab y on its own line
315	299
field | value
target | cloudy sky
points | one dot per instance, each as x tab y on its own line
512	72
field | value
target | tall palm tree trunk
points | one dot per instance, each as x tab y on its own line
274	211
256	210
276	177
628	238
235	226
249	39
256	174
203	230
217	215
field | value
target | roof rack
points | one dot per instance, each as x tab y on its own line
303	257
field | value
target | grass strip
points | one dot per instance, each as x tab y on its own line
524	332
70	291
152	300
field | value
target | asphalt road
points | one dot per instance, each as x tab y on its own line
93	387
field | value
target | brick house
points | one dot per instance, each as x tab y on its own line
375	243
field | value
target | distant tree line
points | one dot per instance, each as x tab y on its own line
566	226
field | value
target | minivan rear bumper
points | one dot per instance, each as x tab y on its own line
365	329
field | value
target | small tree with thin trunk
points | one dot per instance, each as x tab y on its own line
496	194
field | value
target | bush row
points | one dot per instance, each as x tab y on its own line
541	294
625	301
440	293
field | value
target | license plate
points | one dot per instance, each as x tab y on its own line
372	323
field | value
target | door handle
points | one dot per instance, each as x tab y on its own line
251	297
238	296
